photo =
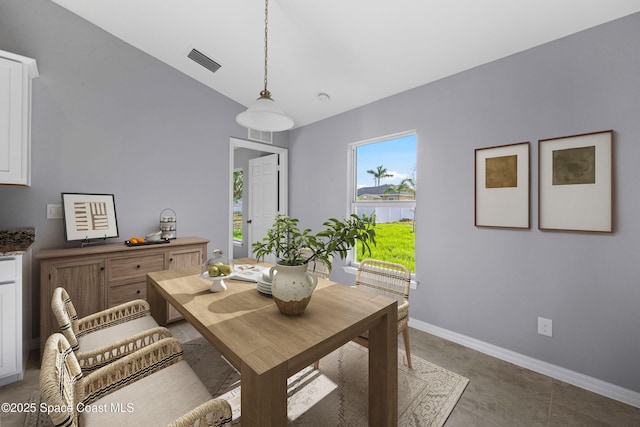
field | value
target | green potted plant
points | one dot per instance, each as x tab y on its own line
292	285
293	247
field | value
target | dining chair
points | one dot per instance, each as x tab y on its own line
150	387
393	281
390	280
105	336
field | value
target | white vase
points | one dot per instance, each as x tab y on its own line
292	287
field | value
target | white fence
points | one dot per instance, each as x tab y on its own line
389	214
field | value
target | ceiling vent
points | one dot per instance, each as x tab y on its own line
204	60
261	136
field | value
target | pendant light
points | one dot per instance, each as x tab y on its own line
264	114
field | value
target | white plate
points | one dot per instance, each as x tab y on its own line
264	284
264	287
206	276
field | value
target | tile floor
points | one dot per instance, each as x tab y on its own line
498	394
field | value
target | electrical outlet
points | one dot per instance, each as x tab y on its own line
545	326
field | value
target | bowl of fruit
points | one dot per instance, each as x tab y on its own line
217	268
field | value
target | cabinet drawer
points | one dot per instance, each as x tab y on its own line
8	270
125	293
135	268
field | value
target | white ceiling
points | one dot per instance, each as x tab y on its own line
357	51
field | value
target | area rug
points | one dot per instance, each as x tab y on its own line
334	395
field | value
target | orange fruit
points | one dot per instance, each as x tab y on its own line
133	240
140	239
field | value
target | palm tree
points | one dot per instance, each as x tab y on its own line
406	186
379	173
238	184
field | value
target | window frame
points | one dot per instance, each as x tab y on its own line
352	204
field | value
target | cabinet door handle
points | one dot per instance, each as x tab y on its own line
101	268
138	266
138	291
170	259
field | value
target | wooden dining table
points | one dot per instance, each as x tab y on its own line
266	346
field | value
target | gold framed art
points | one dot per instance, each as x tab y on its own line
575	183
502	186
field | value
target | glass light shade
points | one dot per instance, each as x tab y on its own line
265	115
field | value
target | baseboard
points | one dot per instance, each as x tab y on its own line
577	379
10	379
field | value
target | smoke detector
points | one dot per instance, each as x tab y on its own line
324	97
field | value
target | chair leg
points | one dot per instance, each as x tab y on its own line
316	364
407	348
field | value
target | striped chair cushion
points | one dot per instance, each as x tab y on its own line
156	399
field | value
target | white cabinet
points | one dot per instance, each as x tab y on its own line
15	319
16	73
8	356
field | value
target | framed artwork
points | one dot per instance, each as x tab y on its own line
575	183
89	216
502	186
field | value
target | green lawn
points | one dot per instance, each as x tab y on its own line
237	225
395	243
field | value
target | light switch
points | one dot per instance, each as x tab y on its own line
54	211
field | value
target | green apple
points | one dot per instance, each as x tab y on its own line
225	269
214	271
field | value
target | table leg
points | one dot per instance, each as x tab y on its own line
263	395
157	302
383	370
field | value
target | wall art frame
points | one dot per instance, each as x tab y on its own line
502	195
575	183
89	216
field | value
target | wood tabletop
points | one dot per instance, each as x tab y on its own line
267	346
241	320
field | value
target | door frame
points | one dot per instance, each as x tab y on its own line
283	178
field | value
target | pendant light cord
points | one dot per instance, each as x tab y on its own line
266	40
264	114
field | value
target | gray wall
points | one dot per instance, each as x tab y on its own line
492	284
108	118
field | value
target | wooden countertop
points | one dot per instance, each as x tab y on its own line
113	247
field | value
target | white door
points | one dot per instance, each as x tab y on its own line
263	199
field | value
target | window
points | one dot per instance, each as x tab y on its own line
383	183
238	186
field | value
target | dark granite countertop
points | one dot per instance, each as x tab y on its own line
16	241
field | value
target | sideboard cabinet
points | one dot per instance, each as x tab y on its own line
102	276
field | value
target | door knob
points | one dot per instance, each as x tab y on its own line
248	221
